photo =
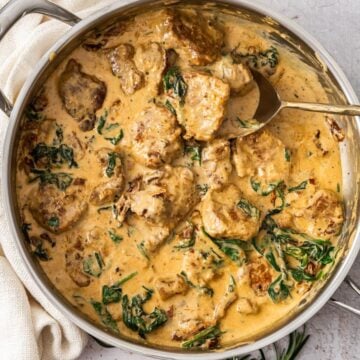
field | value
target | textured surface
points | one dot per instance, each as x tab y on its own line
335	23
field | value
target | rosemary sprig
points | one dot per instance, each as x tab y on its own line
297	340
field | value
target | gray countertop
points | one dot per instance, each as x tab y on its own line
335	334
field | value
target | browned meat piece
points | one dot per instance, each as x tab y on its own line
76	144
216	162
123	205
205	105
181	191
322	216
284	219
260	276
246	306
40	102
105	39
74	264
160	199
81	94
261	155
238	76
123	66
166	196
200	267
155	236
107	191
194	37
222	217
155	136
224	304
151	203
170	286
35	132
56	210
150	59
171	57
188	328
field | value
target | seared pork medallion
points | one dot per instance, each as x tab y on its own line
145	216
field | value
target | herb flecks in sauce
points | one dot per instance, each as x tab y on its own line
114	236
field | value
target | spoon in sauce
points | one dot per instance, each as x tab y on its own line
270	104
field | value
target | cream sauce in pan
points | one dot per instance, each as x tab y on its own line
134	120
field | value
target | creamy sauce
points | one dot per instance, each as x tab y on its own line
303	139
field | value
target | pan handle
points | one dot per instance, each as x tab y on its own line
342	305
16	9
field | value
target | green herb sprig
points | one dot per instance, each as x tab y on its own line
297	341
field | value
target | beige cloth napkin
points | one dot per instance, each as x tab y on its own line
31	328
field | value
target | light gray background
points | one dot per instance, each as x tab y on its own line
335	334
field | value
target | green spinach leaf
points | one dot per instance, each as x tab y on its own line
301	186
248	208
93	264
60	179
211	333
135	317
174	81
114	236
233	248
105	316
115	140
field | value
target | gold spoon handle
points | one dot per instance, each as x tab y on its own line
352	110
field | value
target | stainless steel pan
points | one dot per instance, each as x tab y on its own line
286	32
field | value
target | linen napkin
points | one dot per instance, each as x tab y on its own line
31	328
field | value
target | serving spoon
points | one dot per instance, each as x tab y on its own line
270	103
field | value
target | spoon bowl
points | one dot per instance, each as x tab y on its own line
270	104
